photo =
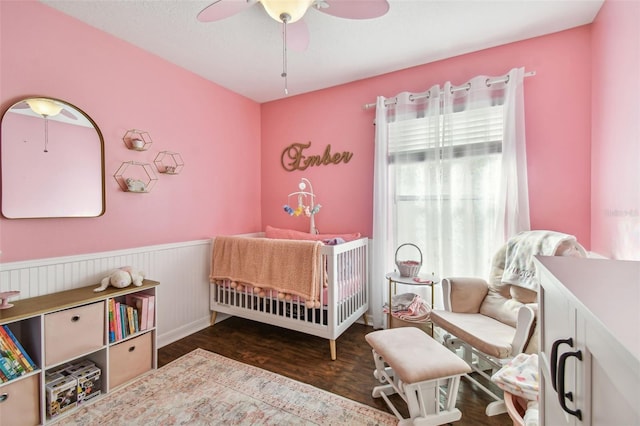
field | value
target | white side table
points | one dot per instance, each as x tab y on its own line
395	278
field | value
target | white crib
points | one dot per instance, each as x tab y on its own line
343	301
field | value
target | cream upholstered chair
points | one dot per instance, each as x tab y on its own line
489	322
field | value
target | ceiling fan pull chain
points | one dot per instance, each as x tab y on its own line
46	133
284	18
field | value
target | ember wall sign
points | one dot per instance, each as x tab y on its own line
294	157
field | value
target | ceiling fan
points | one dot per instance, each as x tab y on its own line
290	13
45	108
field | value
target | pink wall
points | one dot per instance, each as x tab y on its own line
558	134
121	87
615	180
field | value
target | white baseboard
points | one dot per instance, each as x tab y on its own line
188	329
183	331
369	320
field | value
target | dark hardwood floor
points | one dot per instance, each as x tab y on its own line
306	358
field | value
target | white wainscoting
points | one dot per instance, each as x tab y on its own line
181	268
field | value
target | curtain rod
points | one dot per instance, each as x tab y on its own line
453	89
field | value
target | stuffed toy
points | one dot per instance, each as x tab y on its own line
121	278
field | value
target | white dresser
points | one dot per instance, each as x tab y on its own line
589	341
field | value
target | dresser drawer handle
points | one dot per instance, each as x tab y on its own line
562	395
75	318
4	397
554	359
132	348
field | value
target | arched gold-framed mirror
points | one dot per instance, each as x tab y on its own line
52	161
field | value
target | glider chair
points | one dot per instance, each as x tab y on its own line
488	323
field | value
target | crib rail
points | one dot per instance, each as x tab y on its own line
343	301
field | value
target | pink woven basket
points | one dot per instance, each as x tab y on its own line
409	268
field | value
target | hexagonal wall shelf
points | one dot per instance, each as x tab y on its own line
137	140
135	177
169	162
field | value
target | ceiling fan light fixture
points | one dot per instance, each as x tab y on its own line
44	107
293	9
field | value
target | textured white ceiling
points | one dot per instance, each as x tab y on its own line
244	52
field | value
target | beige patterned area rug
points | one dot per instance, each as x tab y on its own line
203	388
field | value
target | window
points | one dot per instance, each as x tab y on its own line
445	175
450	175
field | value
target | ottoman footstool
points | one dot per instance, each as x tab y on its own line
419	369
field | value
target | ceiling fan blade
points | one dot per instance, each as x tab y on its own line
298	36
221	9
68	114
353	9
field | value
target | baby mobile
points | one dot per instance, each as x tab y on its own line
306	204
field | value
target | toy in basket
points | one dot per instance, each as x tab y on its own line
409	268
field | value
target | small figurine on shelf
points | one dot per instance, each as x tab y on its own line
138	140
137	144
135	185
4	298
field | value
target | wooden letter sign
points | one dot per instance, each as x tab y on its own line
293	157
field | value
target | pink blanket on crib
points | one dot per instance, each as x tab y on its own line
288	266
346	288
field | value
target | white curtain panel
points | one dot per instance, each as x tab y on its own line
382	219
514	189
449	176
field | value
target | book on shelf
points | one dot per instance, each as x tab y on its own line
141	303
14	361
6	369
123	320
118	321
136	324
112	323
17	347
132	328
8	364
132	315
151	315
14	364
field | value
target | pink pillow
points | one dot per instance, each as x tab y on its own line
290	234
